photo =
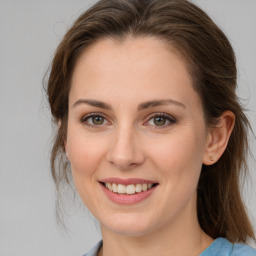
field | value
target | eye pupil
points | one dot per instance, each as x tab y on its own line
159	121
98	120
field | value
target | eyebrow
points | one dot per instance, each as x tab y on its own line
156	103
94	103
142	106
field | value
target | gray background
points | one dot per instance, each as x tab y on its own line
29	33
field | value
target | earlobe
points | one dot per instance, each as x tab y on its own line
218	138
59	124
66	148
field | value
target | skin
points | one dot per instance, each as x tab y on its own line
129	144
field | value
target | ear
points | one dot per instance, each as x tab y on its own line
218	138
59	123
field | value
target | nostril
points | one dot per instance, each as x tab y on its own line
124	164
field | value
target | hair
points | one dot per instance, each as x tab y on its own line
211	63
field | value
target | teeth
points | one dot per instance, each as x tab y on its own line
109	186
114	187
129	189
121	189
138	188
150	186
144	187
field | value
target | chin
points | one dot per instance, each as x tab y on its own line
128	225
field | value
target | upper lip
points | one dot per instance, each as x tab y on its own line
127	181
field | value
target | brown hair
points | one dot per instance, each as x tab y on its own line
211	62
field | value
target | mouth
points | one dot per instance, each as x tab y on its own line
129	189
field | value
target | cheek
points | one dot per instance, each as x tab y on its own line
179	162
179	157
85	156
84	152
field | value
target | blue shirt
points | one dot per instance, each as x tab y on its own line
219	247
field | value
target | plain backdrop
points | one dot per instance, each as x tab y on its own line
30	30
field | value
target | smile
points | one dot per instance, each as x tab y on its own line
128	189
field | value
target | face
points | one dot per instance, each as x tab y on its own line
136	136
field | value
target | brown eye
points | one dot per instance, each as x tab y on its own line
159	121
97	120
94	120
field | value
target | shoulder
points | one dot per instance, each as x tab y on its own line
243	250
222	247
94	251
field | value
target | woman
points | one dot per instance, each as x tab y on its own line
143	92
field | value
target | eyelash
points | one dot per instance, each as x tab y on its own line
85	119
168	118
171	120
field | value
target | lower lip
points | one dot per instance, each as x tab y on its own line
127	199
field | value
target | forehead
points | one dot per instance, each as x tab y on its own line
144	66
139	50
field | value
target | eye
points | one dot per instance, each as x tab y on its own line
160	120
94	120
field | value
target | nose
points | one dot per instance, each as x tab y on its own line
125	152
